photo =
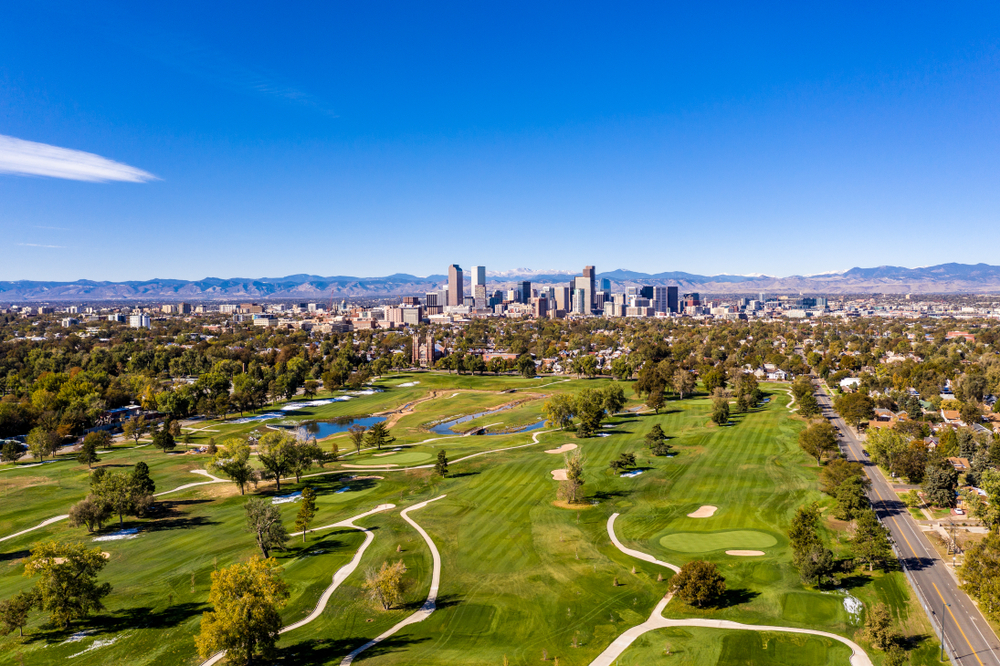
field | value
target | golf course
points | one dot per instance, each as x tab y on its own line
520	575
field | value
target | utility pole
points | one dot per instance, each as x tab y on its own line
943	606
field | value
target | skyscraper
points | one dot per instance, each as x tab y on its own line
456	285
479	286
525	288
591	275
672	305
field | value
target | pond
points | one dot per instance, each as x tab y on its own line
321	429
447	428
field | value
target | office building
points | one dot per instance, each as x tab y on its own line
590	275
431	299
456	285
525	288
580	303
659	299
561	296
139	321
605	284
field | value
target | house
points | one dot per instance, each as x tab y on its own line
960	464
849	383
951	335
952	417
778	375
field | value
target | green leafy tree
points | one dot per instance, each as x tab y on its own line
135	428
91	512
526	366
851	499
940	481
163	439
699	583
356	433
42	442
682	382
570	490
307	511
713	379
808	406
838	471
379	435
305	455
855	408
871	540
67	586
141	480
818	440
14	612
233	461
121	494
246	598
980	573
559	410
11	452
720	410
590	410
88	453
655	400
101	439
614	398
264	522
276	452
441	466
815	564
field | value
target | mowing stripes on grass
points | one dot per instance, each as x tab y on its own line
705	542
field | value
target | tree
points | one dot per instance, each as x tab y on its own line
233	461
871	540
307	511
559	410
885	446
310	387
590	410
940	481
245	621
67	587
818	440
162	439
808	406
720	410
88	453
385	586
851	499
585	365
570	489
140	479
713	379
122	495
839	470
526	366
683	382
11	451
276	452
304	455
441	466
624	461
981	574
698	583
815	564
264	522
855	408
42	442
101	439
878	627
656	440
379	435
14	612
655	400
970	413
614	398
135	428
90	511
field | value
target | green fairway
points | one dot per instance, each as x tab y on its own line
520	574
704	542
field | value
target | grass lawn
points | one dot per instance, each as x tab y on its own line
519	574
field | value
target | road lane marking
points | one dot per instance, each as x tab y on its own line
957	625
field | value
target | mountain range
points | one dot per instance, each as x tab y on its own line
940	279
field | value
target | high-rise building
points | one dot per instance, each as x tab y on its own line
525	288
456	285
479	286
431	298
562	298
580	304
590	275
672	305
605	284
659	299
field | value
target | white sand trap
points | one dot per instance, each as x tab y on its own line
562	449
559	475
745	553
370	466
409	384
704	512
382	455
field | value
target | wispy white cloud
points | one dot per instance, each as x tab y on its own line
28	158
54	247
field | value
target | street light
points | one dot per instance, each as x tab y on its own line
943	606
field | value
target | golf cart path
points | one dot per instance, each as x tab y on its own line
431	602
792	401
339	577
56	519
657	621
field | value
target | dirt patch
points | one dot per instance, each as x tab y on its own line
559	475
382	455
745	553
362	478
22	482
706	511
562	449
574	507
369	466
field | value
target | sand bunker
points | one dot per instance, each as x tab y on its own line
60	560
745	553
559	475
370	466
381	455
562	449
704	512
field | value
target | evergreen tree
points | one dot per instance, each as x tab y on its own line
307	511
441	466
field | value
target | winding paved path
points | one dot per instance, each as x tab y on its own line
431	602
338	578
657	621
214	479
38	526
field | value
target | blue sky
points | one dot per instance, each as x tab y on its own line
372	138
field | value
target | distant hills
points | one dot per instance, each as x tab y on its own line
941	279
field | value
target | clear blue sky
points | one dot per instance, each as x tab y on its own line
368	138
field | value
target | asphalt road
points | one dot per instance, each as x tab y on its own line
968	638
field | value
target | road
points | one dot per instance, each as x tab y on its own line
968	638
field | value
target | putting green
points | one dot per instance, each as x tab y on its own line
401	458
703	542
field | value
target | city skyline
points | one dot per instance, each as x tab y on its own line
138	143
